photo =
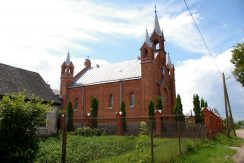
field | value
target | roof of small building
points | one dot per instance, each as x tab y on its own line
127	70
14	80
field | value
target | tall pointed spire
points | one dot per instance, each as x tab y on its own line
156	27
67	59
147	40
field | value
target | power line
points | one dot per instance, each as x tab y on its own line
209	52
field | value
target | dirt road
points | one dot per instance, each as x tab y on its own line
239	156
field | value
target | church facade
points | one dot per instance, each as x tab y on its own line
135	82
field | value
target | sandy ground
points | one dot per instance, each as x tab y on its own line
239	156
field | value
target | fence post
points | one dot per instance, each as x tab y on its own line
179	137
64	141
88	120
119	122
194	132
151	136
202	132
158	122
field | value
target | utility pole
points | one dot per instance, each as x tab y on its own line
231	118
226	110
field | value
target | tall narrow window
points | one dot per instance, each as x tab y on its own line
145	53
162	72
111	101
132	100
76	104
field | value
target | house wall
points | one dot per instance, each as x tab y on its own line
52	117
119	90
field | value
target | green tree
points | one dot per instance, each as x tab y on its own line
202	103
238	61
178	110
205	104
70	125
150	109
94	112
19	121
159	103
122	108
151	115
197	109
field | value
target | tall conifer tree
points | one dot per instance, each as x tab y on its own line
178	110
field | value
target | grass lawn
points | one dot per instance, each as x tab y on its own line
214	151
165	150
83	149
122	149
109	149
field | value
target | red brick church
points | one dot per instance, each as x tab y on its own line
134	81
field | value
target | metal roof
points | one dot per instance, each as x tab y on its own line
169	61
127	70
68	59
147	40
156	25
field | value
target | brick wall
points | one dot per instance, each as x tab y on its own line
213	123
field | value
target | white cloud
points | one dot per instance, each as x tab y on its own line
181	31
36	34
200	76
32	31
52	24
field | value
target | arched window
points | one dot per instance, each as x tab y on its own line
132	100
157	46
76	104
110	102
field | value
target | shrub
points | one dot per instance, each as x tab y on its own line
178	110
151	115
139	155
122	108
19	120
190	147
87	131
94	112
159	103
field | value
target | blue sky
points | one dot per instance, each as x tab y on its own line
36	35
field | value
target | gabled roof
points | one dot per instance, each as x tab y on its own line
127	70
14	79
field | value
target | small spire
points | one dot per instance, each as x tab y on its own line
163	34
147	40
68	58
156	23
169	60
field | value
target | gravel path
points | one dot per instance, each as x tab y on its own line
239	156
